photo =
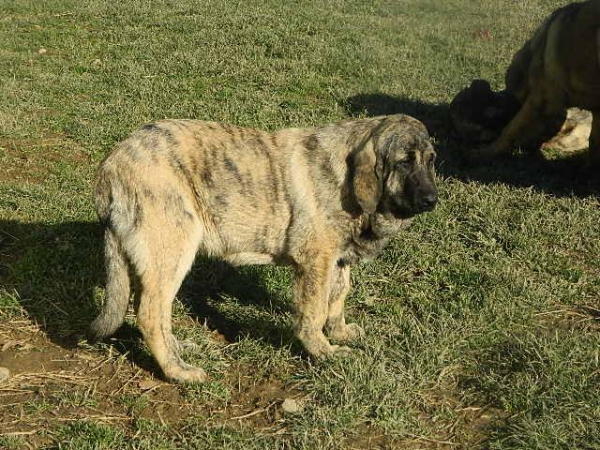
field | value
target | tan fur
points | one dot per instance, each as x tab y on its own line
575	132
316	199
557	68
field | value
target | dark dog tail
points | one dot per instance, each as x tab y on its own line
118	285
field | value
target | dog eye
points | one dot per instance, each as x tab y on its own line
404	164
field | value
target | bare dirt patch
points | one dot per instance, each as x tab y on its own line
471	425
569	317
27	160
51	386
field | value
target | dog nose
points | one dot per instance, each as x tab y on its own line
429	201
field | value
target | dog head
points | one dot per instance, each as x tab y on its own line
479	115
394	173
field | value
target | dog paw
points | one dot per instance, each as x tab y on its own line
346	332
331	351
185	373
316	344
318	347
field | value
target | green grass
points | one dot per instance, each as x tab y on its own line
481	319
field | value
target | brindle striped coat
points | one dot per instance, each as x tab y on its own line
316	199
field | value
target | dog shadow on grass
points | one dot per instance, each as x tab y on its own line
248	301
55	273
559	177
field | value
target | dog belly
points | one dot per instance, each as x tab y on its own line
257	238
249	258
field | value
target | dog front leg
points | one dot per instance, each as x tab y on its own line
311	292
336	327
535	122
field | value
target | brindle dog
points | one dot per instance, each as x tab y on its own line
319	200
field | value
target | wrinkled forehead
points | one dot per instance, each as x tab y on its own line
413	141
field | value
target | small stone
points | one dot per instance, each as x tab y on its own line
4	374
291	406
42	51
96	62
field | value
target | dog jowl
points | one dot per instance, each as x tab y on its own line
319	200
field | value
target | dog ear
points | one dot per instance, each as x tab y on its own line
366	185
480	87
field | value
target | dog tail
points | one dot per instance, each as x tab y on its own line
118	284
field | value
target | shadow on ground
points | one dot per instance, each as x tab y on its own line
56	273
238	301
559	177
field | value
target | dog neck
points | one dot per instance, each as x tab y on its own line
363	243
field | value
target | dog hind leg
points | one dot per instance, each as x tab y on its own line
164	252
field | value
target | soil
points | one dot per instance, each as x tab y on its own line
22	161
51	386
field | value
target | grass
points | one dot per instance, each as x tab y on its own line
481	319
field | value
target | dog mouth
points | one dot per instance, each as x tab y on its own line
400	210
403	210
426	207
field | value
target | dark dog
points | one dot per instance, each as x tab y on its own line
559	67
